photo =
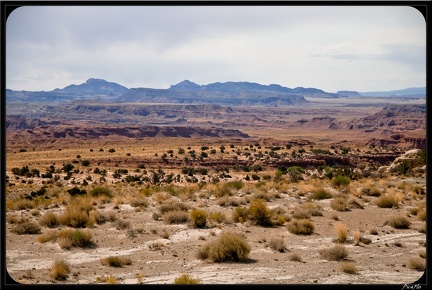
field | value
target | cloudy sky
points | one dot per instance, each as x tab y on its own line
364	48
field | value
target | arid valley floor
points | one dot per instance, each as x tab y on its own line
320	195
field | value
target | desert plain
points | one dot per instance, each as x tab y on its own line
332	192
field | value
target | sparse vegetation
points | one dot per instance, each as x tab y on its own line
176	217
416	263
277	244
26	228
60	270
387	201
398	222
198	218
339	204
151	198
319	194
349	268
335	253
228	246
186	279
68	238
301	227
259	213
116	261
341	232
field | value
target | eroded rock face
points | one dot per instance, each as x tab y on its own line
409	161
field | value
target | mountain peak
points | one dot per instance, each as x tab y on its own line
185	85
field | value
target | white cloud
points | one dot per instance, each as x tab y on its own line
332	48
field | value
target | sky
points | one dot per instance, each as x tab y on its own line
361	48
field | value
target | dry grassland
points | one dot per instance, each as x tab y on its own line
127	218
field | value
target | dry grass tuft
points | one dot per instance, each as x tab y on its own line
259	213
301	214
60	270
295	257
116	261
198	218
341	232
218	217
387	201
68	238
354	203
107	279
75	217
371	190
26	228
49	220
173	206
336	253
122	224
176	217
339	204
398	222
357	237
416	263
139	202
240	214
319	194
228	247
301	227
186	279
277	244
349	268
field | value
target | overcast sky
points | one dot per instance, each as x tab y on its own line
364	48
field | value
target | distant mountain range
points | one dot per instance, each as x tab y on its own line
187	92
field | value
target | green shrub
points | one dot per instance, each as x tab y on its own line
228	247
76	190
259	213
301	227
85	162
198	218
340	180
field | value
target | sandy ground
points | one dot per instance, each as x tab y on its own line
383	261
